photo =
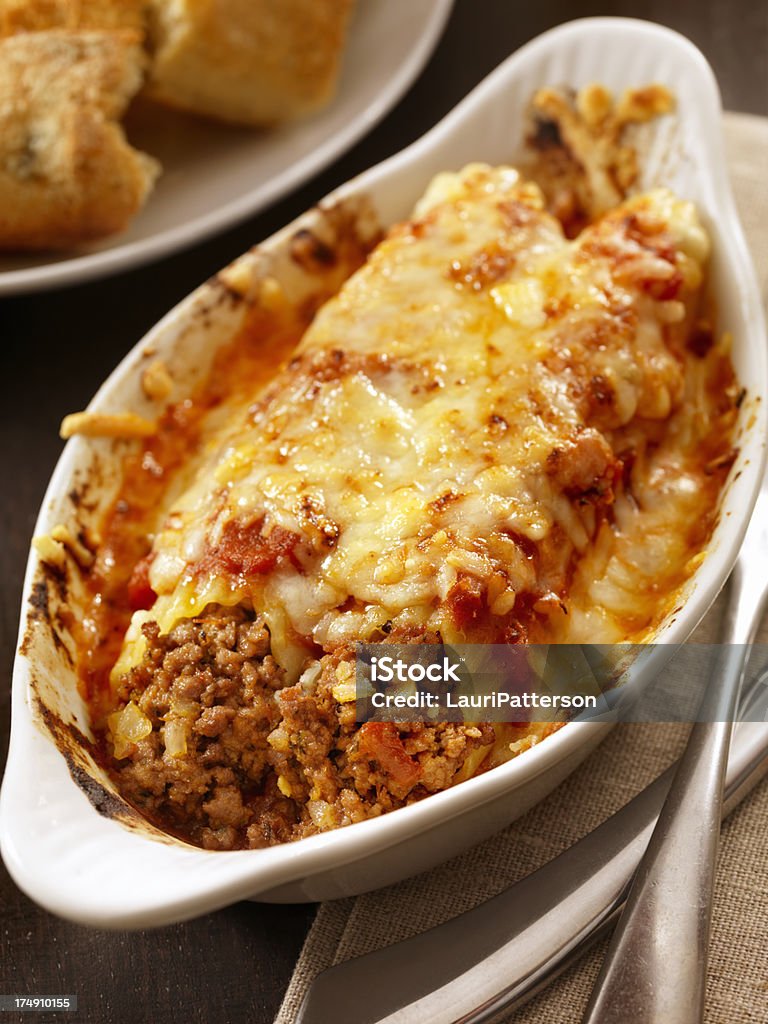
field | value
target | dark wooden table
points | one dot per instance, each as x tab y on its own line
234	965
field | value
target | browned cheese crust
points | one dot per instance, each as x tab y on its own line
584	163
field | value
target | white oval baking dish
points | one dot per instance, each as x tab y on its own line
71	846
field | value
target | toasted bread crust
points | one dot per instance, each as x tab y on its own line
67	173
246	61
38	15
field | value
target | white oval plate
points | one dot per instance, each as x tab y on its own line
88	859
216	175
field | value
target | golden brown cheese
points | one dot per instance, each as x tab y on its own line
460	441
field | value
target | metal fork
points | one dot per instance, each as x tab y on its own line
656	966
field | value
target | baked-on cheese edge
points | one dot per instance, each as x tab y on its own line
490	432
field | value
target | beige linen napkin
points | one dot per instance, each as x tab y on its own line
630	758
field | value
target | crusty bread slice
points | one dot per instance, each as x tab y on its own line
246	61
67	173
37	15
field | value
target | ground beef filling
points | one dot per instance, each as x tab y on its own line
211	744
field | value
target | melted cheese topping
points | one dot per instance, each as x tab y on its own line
451	447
